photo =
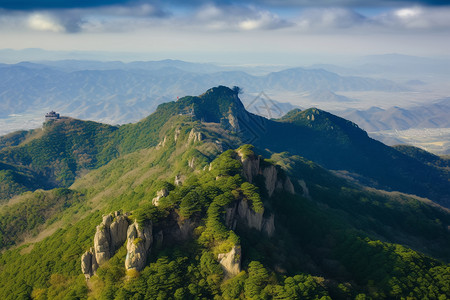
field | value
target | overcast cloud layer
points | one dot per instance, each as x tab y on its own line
410	27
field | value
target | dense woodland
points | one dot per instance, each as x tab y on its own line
334	237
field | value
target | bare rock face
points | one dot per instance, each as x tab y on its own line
269	225
102	241
288	186
252	219
241	212
139	241
191	162
234	122
194	136
178	180
162	143
270	174
231	261
305	194
252	167
109	236
177	134
88	264
160	194
118	231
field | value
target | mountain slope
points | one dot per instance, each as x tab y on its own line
305	254
177	207
319	136
63	149
340	145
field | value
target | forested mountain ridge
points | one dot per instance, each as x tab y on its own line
317	135
58	152
227	220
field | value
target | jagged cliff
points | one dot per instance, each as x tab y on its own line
274	178
109	236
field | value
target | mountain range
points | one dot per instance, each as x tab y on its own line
203	199
116	92
432	115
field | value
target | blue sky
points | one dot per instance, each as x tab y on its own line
257	31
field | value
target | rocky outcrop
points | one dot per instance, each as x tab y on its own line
177	133
178	180
88	264
109	236
305	194
251	167
162	143
102	241
231	261
160	194
240	212
118	231
139	241
273	178
113	232
194	136
191	162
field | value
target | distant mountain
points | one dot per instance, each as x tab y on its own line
79	65
433	115
403	64
116	92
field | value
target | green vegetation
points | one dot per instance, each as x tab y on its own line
333	239
65	149
33	210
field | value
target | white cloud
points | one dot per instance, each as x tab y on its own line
44	22
330	19
413	18
237	18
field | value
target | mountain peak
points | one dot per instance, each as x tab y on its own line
217	105
321	120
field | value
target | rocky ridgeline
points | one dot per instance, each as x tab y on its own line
273	178
240	211
115	228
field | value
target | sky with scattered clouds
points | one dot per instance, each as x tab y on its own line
226	31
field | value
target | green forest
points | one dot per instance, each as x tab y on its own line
229	220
